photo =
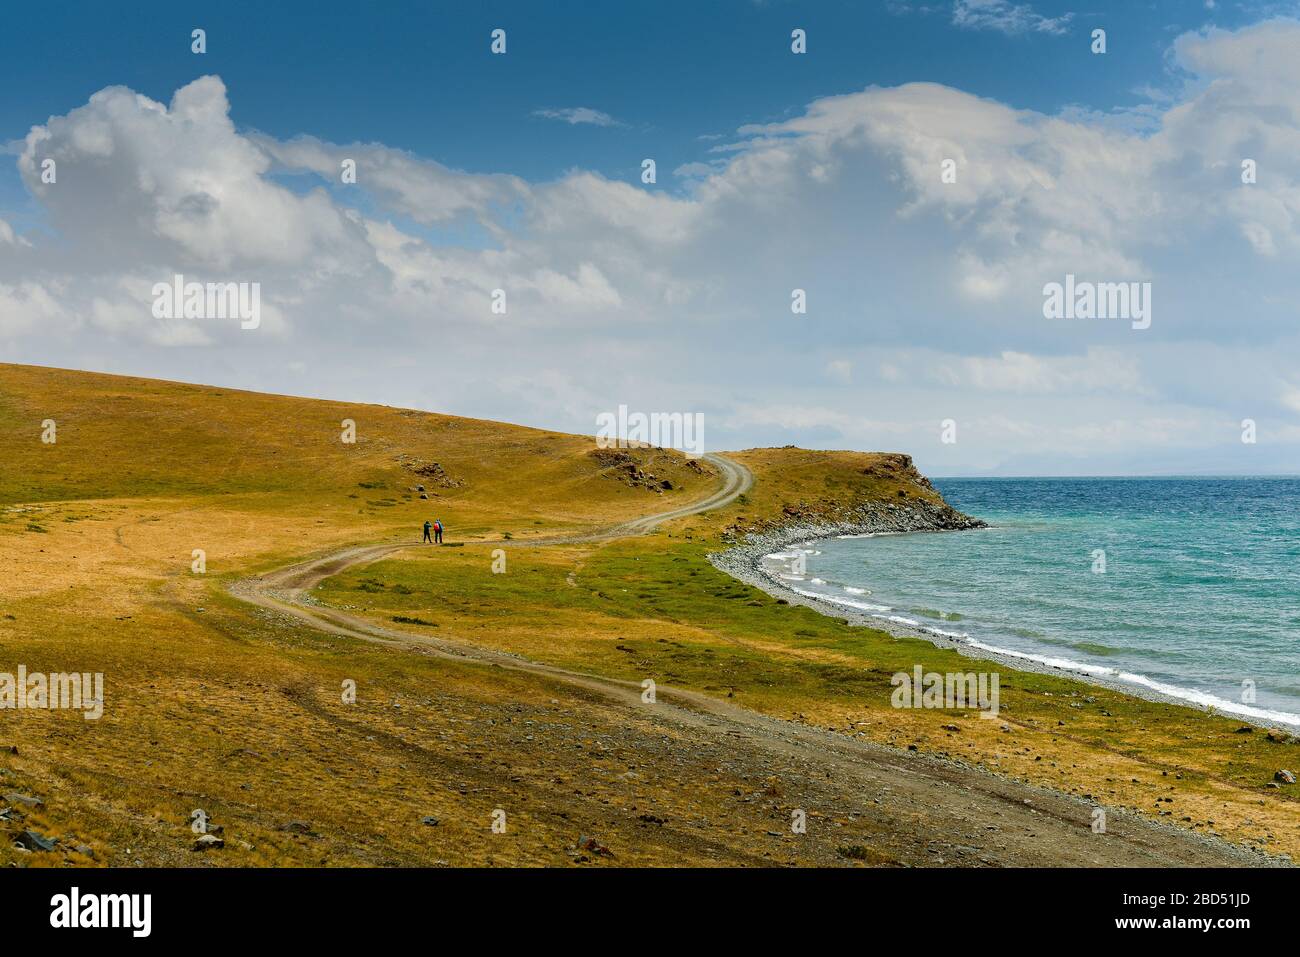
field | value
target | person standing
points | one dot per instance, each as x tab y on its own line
427	526
437	532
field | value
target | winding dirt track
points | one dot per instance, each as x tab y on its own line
929	810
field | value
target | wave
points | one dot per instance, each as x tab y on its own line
936	613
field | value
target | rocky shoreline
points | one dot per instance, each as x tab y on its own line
744	562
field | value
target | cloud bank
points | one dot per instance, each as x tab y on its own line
922	223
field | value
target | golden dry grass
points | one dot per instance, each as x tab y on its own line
211	704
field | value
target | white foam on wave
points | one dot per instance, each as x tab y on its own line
1203	698
846	602
955	635
781	556
856	591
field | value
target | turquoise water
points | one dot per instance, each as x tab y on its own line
1200	591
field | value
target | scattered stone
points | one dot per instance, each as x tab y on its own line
32	841
1284	777
25	799
430	821
209	841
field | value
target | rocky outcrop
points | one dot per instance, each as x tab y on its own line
432	471
880	492
803	521
625	466
896	465
898	499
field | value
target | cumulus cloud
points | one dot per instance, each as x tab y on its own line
422	189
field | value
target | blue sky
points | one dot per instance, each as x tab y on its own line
775	171
419	75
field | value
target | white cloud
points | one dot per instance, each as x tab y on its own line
579	115
422	189
9	237
29	307
1006	17
1096	370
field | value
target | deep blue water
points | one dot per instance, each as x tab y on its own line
1200	589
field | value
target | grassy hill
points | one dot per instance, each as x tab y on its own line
121	437
213	705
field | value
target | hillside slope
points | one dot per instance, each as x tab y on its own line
122	437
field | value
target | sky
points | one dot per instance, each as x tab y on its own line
923	173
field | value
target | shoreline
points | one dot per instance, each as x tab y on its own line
744	562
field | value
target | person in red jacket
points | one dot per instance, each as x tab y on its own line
437	532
